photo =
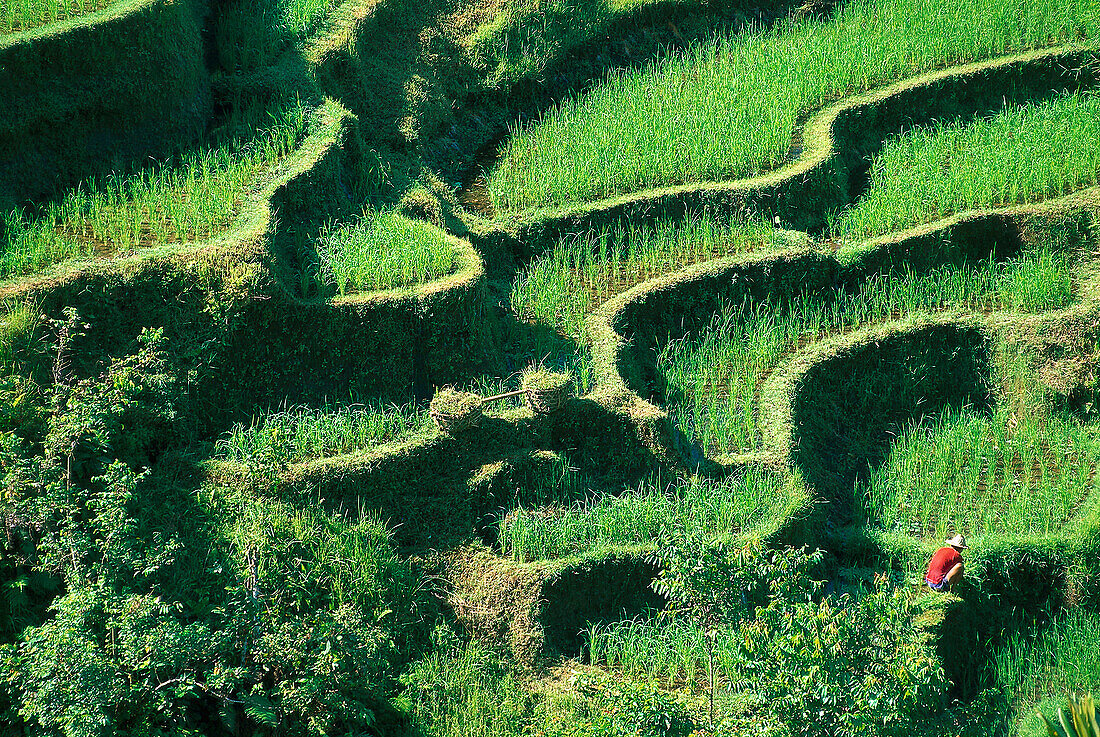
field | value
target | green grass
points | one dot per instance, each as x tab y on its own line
302	433
671	651
382	250
652	512
524	36
585	269
975	474
730	108
191	197
250	34
1020	155
17	328
23	15
1037	673
714	377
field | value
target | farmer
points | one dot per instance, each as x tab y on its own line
946	567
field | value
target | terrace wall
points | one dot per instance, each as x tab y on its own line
90	94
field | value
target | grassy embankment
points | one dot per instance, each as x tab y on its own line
921	176
298	434
1022	154
561	287
190	198
651	513
731	108
715	375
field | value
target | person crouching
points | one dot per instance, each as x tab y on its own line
946	567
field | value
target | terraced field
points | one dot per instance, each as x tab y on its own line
468	369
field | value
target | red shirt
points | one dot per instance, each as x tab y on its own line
943	561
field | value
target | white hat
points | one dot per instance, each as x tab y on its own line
958	542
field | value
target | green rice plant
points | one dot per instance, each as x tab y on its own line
190	197
18	324
23	15
651	512
731	107
713	378
383	250
585	269
972	473
302	433
671	651
1035	672
1019	155
250	34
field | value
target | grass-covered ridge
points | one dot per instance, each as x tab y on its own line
731	108
303	433
1019	155
192	197
584	269
732	509
714	377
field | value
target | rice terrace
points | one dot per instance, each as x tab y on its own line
628	368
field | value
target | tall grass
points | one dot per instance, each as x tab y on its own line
383	250
1019	155
730	108
652	512
190	197
23	15
971	473
302	433
250	34
585	269
17	327
713	377
671	651
1037	673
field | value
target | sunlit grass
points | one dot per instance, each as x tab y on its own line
23	15
302	433
188	198
730	108
585	269
975	474
652	512
383	250
1037	673
714	377
1020	155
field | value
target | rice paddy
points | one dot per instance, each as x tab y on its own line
725	510
587	268
433	607
1037	672
730	108
1020	155
977	474
671	651
714	377
382	250
191	197
303	433
23	15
